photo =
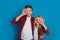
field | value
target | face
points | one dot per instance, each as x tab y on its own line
39	20
28	11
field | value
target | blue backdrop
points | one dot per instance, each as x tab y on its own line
48	9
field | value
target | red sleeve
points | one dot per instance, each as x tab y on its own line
47	31
14	21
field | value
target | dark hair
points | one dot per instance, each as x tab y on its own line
28	6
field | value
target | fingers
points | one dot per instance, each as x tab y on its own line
23	12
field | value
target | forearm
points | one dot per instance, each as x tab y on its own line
17	18
45	26
46	29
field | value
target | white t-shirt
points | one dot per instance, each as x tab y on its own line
36	34
27	30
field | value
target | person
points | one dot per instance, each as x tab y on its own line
26	23
39	28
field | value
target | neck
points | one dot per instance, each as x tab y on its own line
28	15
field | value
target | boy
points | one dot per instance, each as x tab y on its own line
26	24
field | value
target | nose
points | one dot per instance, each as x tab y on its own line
27	10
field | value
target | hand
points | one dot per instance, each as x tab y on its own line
23	12
36	23
41	21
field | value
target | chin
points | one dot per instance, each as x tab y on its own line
28	15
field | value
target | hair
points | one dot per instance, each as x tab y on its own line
28	6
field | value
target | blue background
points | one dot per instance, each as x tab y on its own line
48	9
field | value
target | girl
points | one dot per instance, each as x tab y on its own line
39	28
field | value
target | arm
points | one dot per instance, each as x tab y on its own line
46	29
15	20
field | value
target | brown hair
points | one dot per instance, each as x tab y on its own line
28	6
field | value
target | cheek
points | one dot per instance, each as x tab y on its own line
26	10
30	12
